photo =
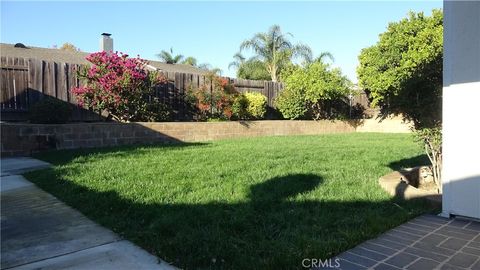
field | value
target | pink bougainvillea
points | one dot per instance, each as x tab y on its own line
118	85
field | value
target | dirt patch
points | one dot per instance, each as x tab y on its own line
420	177
412	183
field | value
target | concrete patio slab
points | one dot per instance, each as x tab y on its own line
11	166
35	225
106	257
11	182
426	242
40	232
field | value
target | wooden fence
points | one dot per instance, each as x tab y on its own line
25	81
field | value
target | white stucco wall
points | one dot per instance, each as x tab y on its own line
461	109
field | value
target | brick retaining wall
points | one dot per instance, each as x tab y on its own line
25	139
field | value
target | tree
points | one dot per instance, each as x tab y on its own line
169	58
251	69
210	69
312	89
322	56
69	47
239	59
403	72
403	75
192	61
275	51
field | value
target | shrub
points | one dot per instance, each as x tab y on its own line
250	105
314	88
431	139
257	104
291	103
156	111
214	102
240	107
50	111
119	86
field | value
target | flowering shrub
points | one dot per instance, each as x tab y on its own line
215	101
121	87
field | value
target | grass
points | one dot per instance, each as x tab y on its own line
259	203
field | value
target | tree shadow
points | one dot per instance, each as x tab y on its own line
65	156
420	160
275	227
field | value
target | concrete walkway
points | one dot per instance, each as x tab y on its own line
426	242
40	232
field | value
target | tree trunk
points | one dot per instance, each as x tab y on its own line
273	73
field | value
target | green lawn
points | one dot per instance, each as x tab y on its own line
259	203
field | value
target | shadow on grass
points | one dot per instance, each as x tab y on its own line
419	160
274	228
62	157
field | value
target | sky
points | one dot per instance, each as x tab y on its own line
209	31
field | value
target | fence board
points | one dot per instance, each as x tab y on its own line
46	78
35	83
21	85
4	81
61	81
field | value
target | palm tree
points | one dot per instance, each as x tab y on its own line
208	67
239	59
192	61
322	56
169	58
251	69
275	50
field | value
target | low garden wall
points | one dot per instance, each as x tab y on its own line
25	139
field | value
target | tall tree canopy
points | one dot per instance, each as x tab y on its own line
403	72
251	69
321	57
275	50
192	61
67	46
169	57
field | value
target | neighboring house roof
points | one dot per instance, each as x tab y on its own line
58	55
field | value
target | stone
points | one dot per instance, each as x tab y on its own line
423	264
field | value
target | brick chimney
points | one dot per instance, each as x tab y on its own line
106	43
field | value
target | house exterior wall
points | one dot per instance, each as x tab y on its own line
461	114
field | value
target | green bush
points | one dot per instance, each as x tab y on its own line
257	104
156	111
291	103
313	89
50	111
250	105
239	107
